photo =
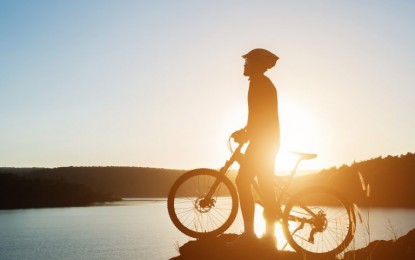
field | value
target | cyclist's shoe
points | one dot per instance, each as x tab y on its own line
244	240
267	241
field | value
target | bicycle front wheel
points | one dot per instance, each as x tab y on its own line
194	214
319	221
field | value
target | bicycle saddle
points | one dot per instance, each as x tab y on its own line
305	156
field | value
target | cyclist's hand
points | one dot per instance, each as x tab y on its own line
240	136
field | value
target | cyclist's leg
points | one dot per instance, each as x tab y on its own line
266	183
243	183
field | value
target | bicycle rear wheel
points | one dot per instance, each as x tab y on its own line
196	216
319	221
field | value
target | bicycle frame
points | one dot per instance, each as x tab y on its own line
303	220
237	154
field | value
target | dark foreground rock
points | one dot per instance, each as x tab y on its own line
401	249
216	248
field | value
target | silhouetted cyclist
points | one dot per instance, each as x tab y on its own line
263	133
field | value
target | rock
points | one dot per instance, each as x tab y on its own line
216	248
401	249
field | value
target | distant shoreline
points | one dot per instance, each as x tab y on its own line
386	182
20	192
145	199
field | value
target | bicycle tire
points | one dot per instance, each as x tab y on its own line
328	232
184	204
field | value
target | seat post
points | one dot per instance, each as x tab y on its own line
290	178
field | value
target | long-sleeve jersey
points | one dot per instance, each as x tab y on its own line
263	121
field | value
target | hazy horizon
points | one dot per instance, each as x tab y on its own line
160	84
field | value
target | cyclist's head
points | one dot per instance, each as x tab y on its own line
258	61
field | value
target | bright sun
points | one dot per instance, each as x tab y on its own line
300	132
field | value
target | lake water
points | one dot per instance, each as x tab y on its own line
135	230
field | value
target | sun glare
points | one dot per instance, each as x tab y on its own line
260	229
300	132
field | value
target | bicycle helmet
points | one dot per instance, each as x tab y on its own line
264	56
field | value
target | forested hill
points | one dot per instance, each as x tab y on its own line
125	182
389	181
18	192
386	182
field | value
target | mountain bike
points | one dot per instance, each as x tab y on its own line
317	220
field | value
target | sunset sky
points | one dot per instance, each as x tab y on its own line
160	84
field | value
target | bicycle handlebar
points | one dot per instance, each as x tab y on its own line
230	144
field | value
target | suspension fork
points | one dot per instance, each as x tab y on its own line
222	172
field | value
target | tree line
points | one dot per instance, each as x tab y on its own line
378	182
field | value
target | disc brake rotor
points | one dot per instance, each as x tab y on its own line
204	205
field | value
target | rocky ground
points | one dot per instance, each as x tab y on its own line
216	248
402	248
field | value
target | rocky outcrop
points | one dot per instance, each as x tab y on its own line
217	248
401	249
